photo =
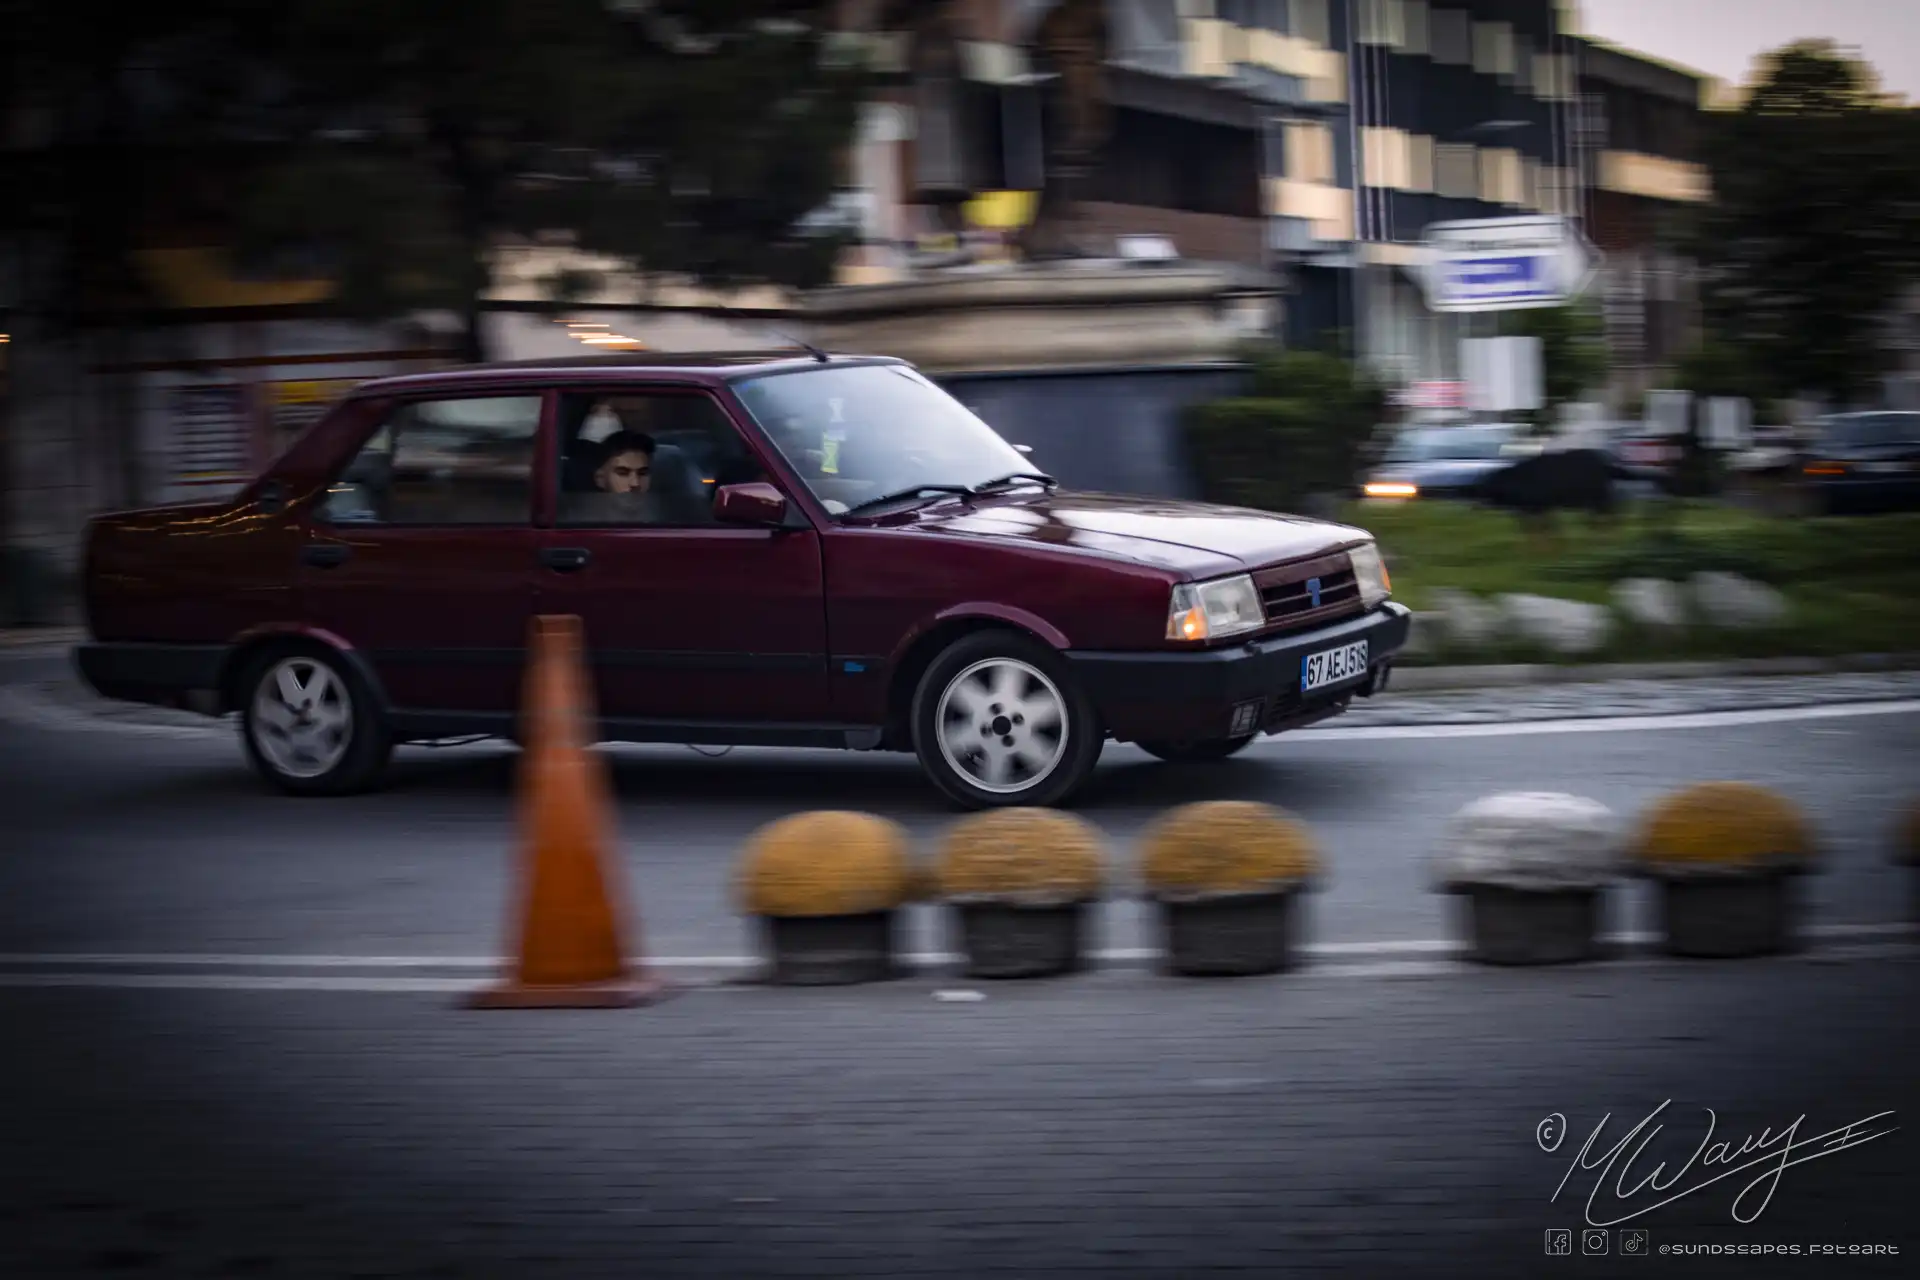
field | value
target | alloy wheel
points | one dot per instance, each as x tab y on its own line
302	719
1002	725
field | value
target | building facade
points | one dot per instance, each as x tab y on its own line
1318	138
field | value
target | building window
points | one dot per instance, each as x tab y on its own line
1413	22
1493	48
1450	35
443	462
1310	22
1454	171
1553	77
1380	22
1420	163
1523	65
1164	162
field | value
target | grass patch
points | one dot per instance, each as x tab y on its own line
1852	584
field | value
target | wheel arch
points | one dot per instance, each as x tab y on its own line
919	651
249	647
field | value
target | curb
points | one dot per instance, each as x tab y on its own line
1501	676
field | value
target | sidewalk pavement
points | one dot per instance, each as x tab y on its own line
41	637
1100	1125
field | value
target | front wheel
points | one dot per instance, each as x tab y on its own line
310	724
998	721
1196	752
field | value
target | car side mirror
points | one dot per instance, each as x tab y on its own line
755	503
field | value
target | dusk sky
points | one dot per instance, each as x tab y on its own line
1722	37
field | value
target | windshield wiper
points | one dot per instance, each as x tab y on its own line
900	495
1014	477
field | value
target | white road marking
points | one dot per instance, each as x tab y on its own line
27	960
1599	724
375	985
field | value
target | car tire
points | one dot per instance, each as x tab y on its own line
1197	752
310	723
984	716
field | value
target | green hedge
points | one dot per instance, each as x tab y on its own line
1297	432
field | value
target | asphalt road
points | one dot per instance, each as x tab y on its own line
234	1049
165	843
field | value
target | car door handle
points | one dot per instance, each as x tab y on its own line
565	559
324	555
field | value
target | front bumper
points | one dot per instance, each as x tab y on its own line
1216	693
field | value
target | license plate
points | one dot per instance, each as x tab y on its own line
1886	468
1331	666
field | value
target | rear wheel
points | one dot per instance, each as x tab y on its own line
1192	752
310	724
999	722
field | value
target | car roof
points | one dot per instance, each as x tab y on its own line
707	367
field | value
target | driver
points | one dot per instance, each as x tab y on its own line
623	483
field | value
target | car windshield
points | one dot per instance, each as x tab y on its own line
1434	444
1868	430
857	433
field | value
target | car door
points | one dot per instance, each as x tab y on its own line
423	553
687	620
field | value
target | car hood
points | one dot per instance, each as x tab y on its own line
1194	538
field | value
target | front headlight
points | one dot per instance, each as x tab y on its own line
1213	610
1370	571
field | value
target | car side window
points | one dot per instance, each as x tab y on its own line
443	462
646	459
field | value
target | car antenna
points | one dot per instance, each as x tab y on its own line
805	346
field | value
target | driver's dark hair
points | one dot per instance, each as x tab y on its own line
623	442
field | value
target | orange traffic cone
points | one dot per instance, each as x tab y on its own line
572	951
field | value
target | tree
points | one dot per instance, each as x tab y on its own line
1295	432
1573	350
102	101
1814	232
683	137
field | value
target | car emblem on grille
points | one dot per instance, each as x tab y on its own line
1313	589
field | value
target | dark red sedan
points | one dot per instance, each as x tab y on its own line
777	550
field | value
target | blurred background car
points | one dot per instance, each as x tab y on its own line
1444	461
1860	463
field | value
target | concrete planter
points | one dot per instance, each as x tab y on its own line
1532	926
819	951
1724	857
1230	934
1729	916
1019	940
1531	869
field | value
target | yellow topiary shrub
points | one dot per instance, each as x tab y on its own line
1025	855
1722	827
829	863
1227	846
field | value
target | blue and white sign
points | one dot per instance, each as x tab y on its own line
1504	264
